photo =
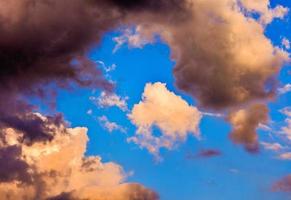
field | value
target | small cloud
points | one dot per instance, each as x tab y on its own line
134	38
286	43
205	153
285	89
285	156
106	68
272	146
89	112
109	100
264	127
212	114
110	126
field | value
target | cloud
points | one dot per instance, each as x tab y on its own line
283	185
272	146
109	100
286	43
36	171
285	156
267	14
285	89
133	38
245	122
166	111
205	153
110	126
286	129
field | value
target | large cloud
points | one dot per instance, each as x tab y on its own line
168	112
60	168
223	57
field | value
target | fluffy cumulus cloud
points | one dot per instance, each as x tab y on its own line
283	185
163	109
59	169
245	122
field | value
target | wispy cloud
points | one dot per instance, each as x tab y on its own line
109	100
133	38
285	89
272	146
110	126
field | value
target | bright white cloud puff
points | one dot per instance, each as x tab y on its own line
166	111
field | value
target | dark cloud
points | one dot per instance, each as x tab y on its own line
204	153
12	167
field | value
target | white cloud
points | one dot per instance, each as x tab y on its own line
286	129
285	89
286	43
109	100
262	7
111	126
168	112
106	68
272	146
133	37
285	156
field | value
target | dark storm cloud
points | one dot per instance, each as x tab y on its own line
12	167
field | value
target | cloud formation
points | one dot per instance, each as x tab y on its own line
245	122
59	169
163	109
110	126
109	100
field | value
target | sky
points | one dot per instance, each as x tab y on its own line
169	100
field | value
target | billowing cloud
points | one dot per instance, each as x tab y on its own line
245	123
110	126
109	100
285	156
163	109
59	169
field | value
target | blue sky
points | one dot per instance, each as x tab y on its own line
235	174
